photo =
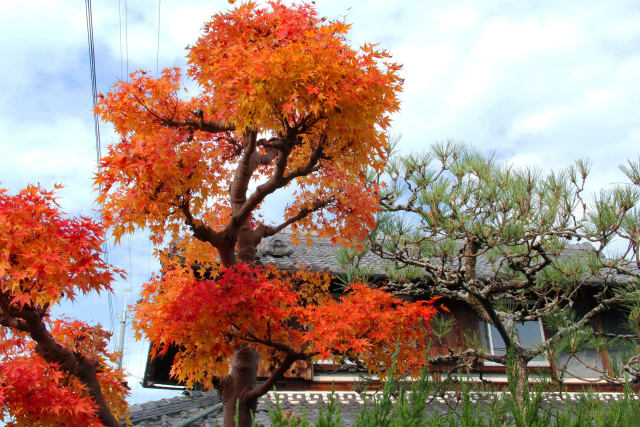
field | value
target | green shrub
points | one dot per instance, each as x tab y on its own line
410	408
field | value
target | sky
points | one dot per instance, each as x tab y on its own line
538	83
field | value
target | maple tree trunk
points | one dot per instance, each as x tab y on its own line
244	364
247	244
242	379
80	367
227	256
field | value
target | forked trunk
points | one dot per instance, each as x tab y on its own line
244	370
244	364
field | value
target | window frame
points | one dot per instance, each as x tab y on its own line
532	363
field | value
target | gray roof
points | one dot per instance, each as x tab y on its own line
169	412
321	255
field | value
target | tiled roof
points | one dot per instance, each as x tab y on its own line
167	412
170	412
321	255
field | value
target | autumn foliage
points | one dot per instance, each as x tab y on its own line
283	102
52	371
265	309
282	73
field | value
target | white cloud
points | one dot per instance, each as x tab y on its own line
539	121
505	40
458	18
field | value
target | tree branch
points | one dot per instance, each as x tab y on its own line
200	231
218	384
13	323
278	179
604	305
437	360
206	126
276	374
72	363
244	171
266	230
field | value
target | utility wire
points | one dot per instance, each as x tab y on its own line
96	126
92	67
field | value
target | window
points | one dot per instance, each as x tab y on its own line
530	333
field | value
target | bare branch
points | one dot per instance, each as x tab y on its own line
13	323
276	374
279	179
200	230
266	231
30	320
469	353
206	126
600	308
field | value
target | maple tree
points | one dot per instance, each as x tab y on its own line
282	102
52	371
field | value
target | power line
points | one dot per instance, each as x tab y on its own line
96	126
92	67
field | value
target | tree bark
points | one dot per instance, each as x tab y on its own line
521	378
244	364
247	244
237	385
78	366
